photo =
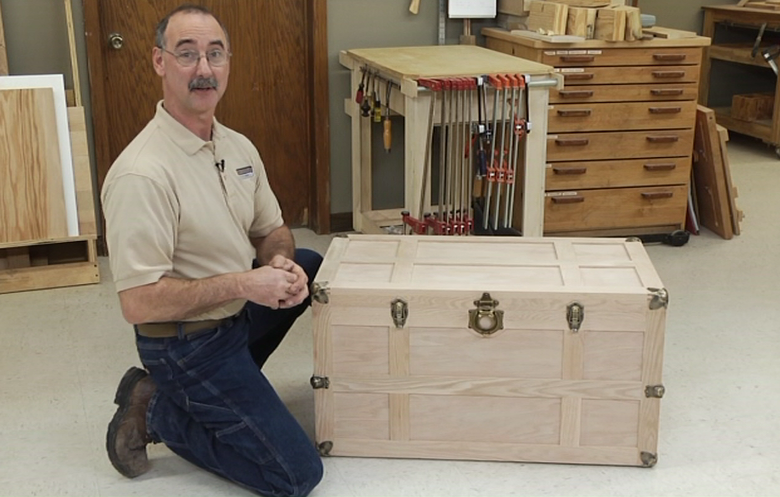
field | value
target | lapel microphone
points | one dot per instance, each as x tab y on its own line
220	165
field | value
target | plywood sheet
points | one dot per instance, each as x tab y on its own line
3	55
82	170
32	200
57	84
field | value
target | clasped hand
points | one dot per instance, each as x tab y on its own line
281	284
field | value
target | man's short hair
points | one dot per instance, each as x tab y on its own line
162	26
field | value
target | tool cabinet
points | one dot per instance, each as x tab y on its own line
620	132
404	66
489	348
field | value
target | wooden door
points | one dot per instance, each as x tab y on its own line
277	95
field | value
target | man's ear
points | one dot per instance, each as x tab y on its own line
157	61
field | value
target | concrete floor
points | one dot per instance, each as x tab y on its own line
63	351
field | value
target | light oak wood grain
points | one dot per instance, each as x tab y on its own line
33	201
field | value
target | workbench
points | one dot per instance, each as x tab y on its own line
404	66
767	130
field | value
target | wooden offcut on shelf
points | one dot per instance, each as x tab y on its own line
3	55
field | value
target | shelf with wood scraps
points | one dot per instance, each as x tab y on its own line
761	129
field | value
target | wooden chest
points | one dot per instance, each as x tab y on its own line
486	348
626	113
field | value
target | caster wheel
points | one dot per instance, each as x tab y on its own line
677	238
777	152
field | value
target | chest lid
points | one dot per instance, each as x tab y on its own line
487	264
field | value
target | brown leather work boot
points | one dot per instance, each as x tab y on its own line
127	437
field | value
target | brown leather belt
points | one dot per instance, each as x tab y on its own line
167	330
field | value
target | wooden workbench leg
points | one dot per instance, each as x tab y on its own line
415	136
361	157
536	162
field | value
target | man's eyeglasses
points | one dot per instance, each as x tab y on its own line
190	58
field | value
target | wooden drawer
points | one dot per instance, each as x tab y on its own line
617	173
615	208
622	57
625	93
623	76
619	145
621	116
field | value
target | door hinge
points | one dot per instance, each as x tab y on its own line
575	315
655	391
659	298
319	292
319	382
648	459
399	310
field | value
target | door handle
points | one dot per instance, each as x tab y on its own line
670	92
578	76
116	41
668	57
577	58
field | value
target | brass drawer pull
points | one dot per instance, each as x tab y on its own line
571	142
668	74
570	170
574	113
577	58
575	93
665	110
669	57
663	138
656	195
671	92
568	200
661	167
578	76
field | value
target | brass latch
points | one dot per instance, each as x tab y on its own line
575	315
486	319
319	292
318	382
399	311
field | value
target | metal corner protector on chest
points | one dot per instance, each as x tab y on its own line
404	66
489	348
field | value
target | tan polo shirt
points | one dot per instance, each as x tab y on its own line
178	206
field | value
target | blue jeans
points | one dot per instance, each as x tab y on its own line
215	407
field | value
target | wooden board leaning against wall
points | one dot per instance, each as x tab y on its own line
3	57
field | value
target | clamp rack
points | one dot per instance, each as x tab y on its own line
416	73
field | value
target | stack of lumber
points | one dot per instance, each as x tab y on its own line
763	4
610	20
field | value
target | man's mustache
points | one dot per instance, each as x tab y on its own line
201	82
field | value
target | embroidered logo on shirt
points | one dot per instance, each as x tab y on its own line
245	172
